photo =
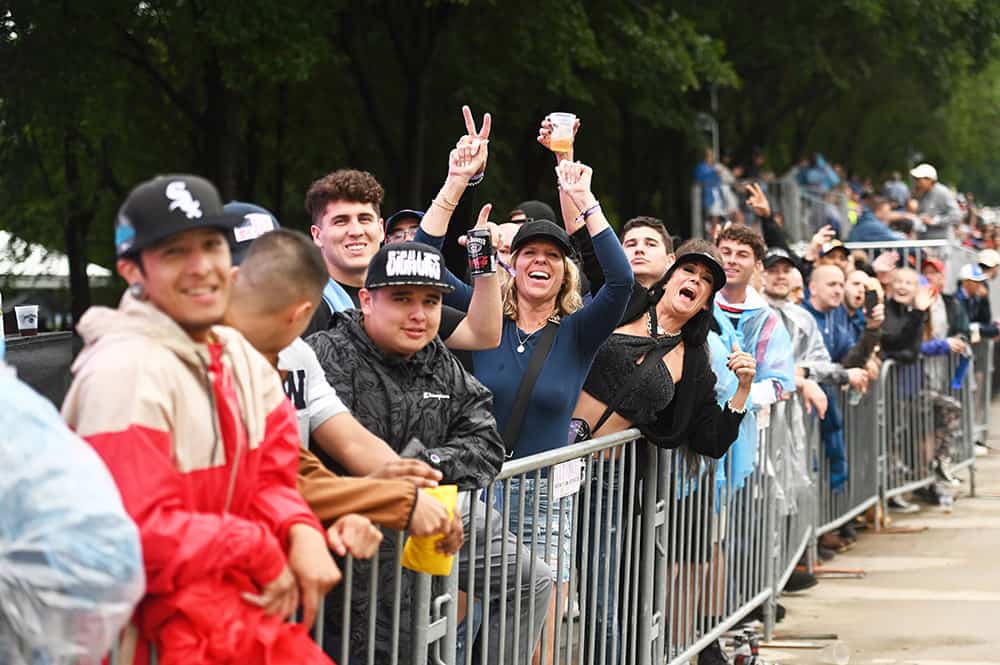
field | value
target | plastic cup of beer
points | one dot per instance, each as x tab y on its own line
562	132
27	319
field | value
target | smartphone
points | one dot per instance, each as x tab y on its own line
871	299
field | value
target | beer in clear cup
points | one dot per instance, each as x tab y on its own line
562	131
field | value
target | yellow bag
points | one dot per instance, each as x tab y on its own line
420	553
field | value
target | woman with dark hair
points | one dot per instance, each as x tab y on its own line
674	402
654	373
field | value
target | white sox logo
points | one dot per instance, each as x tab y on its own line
180	197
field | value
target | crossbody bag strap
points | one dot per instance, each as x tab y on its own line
512	430
653	356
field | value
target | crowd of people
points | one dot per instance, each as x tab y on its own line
266	402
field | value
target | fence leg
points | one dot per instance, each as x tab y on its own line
646	634
771	536
421	612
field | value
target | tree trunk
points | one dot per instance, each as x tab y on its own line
626	163
279	157
219	138
77	217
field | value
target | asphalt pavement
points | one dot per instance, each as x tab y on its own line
927	598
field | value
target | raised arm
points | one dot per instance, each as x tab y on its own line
600	317
465	162
483	325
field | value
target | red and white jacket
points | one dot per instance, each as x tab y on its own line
204	448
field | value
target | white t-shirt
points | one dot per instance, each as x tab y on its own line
314	399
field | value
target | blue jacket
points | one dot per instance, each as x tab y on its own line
870	228
839	336
838	333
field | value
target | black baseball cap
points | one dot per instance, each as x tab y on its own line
165	206
541	229
776	255
534	210
704	258
400	215
407	263
256	222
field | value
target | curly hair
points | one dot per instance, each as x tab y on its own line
343	185
567	301
744	235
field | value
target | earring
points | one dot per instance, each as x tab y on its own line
137	291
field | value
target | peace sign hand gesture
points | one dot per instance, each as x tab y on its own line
468	159
758	201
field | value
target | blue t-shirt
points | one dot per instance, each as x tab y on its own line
559	383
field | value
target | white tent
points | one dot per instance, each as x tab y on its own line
25	265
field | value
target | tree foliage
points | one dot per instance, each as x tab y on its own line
263	97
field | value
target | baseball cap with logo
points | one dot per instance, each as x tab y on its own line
256	222
407	264
971	272
167	205
776	255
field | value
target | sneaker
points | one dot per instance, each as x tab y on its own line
800	580
713	654
982	450
928	495
942	471
898	504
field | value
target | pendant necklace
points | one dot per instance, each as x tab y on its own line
521	342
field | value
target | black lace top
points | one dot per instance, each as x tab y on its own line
668	415
617	359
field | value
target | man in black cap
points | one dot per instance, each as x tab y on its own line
392	371
402	225
193	425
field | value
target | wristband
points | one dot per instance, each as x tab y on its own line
582	217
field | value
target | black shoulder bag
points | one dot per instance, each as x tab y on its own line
512	431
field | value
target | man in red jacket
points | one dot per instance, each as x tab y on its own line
197	433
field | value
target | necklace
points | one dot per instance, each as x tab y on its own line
521	342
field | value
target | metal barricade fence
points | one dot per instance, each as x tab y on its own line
982	389
859	416
711	551
614	551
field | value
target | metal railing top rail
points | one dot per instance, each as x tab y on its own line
904	244
565	453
